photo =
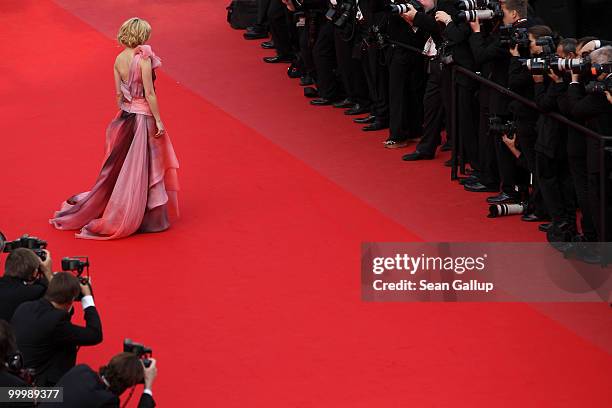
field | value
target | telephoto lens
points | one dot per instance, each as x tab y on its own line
472	15
472	4
501	210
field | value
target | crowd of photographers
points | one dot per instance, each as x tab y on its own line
392	61
39	343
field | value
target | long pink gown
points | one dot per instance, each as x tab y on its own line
136	190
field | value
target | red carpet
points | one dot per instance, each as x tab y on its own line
252	298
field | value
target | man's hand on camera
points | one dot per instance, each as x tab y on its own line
588	47
511	143
556	78
289	5
46	266
150	373
443	17
515	51
575	77
475	25
409	15
85	289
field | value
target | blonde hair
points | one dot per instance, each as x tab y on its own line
134	32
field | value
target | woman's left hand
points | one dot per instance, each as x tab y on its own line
161	130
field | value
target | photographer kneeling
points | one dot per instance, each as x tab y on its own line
45	335
83	387
25	278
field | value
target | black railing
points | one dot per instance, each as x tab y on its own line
458	155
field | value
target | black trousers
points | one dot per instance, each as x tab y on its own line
437	107
526	135
595	205
468	117
377	77
351	72
557	187
406	91
580	177
280	26
489	172
262	13
324	56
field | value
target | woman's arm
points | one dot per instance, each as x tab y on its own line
118	93
149	90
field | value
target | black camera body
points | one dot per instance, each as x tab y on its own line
35	244
511	36
143	352
479	9
599	87
503	127
340	16
77	264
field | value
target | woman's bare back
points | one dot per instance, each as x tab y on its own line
123	63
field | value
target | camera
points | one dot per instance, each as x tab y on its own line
599	87
140	350
403	7
14	365
501	210
479	9
77	264
512	36
472	4
504	127
35	244
340	16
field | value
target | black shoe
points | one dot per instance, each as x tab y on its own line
357	109
446	147
268	45
311	92
321	102
416	155
469	180
253	33
532	218
343	104
277	59
306	80
544	227
375	126
503	198
478	187
366	119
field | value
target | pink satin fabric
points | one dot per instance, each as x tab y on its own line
136	190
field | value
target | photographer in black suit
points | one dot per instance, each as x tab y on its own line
25	278
45	335
83	387
407	73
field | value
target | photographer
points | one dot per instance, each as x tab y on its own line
595	111
521	82
407	73
83	387
25	278
552	162
45	335
494	59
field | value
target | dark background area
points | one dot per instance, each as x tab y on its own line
576	18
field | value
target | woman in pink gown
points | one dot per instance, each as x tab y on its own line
136	190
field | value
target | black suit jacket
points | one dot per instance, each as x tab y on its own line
83	388
13	292
48	340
